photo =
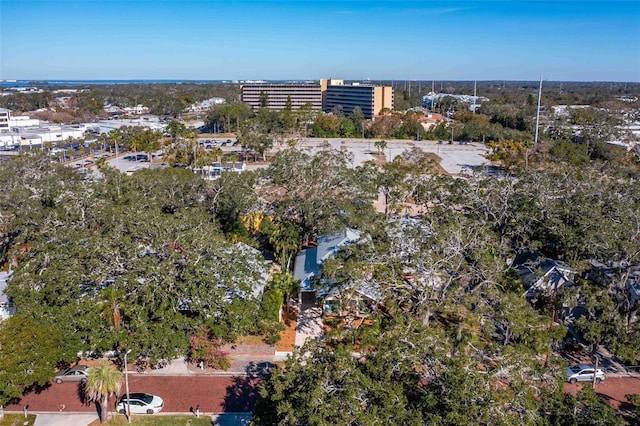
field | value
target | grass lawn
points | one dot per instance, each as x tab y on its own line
18	420
157	420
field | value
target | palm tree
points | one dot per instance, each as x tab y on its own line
103	381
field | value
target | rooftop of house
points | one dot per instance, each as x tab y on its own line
532	266
4	279
308	262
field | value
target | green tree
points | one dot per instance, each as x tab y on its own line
104	380
357	116
29	352
284	237
229	116
264	99
176	129
380	145
145	140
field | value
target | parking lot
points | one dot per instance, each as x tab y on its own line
455	157
211	143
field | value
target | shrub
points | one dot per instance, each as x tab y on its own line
207	350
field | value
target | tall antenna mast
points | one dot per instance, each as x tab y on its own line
535	138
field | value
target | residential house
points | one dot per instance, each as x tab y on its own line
308	263
360	299
7	308
540	274
616	274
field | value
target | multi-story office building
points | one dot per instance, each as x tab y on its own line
371	99
325	95
276	95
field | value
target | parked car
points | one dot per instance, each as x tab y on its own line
140	403
261	369
74	374
584	373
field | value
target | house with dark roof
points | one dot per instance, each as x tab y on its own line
7	308
308	263
359	299
616	274
540	274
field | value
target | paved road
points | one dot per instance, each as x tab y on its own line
215	394
613	389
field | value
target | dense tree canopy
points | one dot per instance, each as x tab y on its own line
126	260
150	260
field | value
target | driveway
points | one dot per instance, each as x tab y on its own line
309	324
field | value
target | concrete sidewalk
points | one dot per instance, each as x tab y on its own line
64	419
181	367
69	419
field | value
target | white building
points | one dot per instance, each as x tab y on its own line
432	99
207	104
7	308
23	131
149	121
23	121
136	110
5	116
38	136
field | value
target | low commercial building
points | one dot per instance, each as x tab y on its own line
431	100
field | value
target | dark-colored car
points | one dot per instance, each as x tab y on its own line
261	369
78	373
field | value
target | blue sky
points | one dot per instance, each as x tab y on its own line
213	40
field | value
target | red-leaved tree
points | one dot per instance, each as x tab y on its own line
207	350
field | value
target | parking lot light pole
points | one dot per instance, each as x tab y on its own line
126	385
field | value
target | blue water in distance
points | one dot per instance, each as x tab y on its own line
38	83
41	83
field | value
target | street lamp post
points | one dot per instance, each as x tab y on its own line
126	385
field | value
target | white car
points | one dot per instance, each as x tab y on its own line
140	403
584	373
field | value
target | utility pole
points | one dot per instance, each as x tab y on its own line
535	138
126	384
